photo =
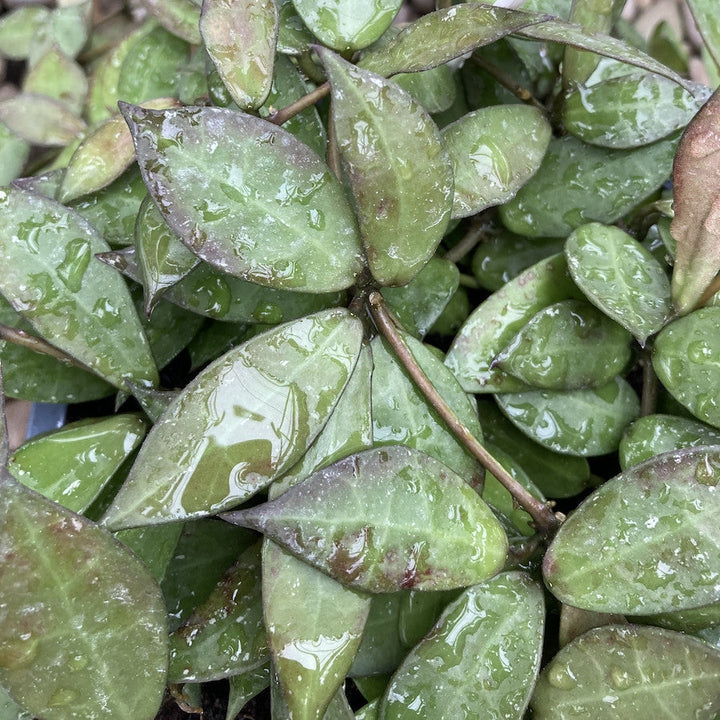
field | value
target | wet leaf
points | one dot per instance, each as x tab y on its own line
494	152
18	28
576	422
83	632
278	190
574	622
215	339
245	687
242	422
685	358
690	621
632	110
630	671
448	537
57	76
645	542
434	89
444	35
155	545
696	224
621	277
14	153
567	346
708	26
496	321
655	434
75	302
397	166
225	635
180	17
293	37
483	653
347	25
40	120
369	711
72	465
240	38
605	185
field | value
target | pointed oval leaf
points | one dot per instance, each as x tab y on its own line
344	520
496	321
482	656
398	168
706	21
434	89
180	17
79	305
494	152
576	422
243	421
646	541
40	120
67	28
630	671
240	38
247	197
567	346
57	76
84	623
14	153
605	185
17	29
621	277
686	359
293	37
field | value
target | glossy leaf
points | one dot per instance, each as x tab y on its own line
481	658
655	434
494	152
180	17
434	89
630	671
444	35
397	166
72	465
685	358
155	545
448	537
215	339
567	346
605	185
40	120
576	422
57	76
77	303
225	635
368	711
707	24
293	37
628	111
245	687
278	191
83	629
243	421
496	321
621	277
644	542
696	193
240	38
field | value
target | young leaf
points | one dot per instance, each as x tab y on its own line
242	422
398	168
392	518
646	541
40	120
17	29
621	277
57	76
247	197
482	656
83	631
240	38
629	671
696	193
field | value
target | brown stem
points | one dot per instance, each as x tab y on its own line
648	401
472	237
20	337
507	81
291	110
543	517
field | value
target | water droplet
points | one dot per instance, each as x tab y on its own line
561	677
705	473
621	679
699	352
17	653
62	696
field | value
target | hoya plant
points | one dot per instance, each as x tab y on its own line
392	356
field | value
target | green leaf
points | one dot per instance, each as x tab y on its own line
567	346
240	38
293	37
76	303
655	434
14	153
621	277
67	28
574	622
494	152
225	635
496	321
696	224
40	120
632	110
17	29
242	422
646	541
483	653
224	180
180	17
155	545
83	631
401	180
708	26
347	25
434	89
686	359
605	185
245	687
57	76
73	464
344	521
630	672
369	711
